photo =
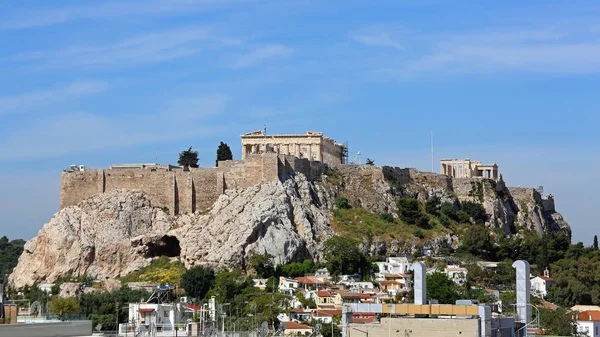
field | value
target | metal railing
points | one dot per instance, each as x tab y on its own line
531	328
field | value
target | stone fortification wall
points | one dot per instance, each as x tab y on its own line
77	186
186	191
332	152
290	165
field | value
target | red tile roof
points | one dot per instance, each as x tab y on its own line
323	294
193	307
588	315
301	311
295	326
358	295
327	312
364	320
309	280
546	278
146	310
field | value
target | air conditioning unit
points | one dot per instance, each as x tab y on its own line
184	299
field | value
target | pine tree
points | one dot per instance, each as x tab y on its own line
188	158
596	242
223	153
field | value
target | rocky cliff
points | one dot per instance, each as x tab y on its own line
116	233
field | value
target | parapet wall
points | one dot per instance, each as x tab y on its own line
186	191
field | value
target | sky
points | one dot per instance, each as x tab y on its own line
106	82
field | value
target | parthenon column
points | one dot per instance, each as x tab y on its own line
297	149
319	154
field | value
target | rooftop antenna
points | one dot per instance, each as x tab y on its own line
357	158
265	128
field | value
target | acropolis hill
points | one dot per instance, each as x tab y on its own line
280	199
266	158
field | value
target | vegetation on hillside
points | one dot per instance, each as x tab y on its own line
161	271
9	255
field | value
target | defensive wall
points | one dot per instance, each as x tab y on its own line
185	191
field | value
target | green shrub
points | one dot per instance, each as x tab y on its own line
409	210
423	222
432	206
342	203
475	211
445	221
447	209
463	217
387	217
418	233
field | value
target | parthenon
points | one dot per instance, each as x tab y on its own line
312	145
468	168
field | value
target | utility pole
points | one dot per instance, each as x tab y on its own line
117	317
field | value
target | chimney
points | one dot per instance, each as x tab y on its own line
547	272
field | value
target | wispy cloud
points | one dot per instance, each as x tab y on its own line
112	10
196	107
142	49
533	51
36	99
379	39
544	50
261	54
70	133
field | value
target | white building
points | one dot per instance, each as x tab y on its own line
588	323
159	317
457	274
287	285
260	283
540	285
323	272
394	265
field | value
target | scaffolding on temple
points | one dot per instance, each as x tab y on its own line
345	152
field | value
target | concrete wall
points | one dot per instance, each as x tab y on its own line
417	327
186	191
75	328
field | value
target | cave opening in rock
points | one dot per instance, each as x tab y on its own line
166	246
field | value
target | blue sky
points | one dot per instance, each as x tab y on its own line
101	82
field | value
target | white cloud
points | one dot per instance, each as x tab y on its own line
143	49
37	99
53	136
112	10
196	107
379	39
529	50
261	54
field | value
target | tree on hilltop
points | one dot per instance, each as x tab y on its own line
370	162
188	158
595	242
223	153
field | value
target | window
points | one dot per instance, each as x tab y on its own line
595	331
166	313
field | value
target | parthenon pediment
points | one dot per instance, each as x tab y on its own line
254	133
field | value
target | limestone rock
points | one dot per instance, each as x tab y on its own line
91	238
119	232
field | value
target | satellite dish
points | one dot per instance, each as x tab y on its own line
35	309
264	329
